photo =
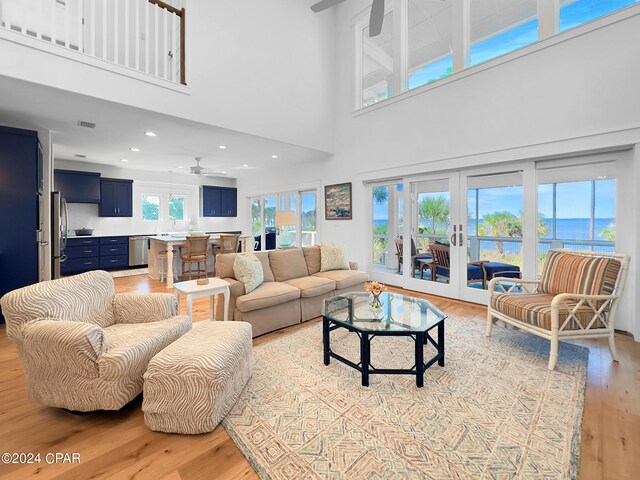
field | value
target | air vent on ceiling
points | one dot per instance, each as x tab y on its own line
79	155
82	123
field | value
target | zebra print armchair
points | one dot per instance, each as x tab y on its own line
83	347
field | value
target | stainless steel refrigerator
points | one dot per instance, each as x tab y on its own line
59	219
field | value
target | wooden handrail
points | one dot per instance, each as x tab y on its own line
168	7
182	14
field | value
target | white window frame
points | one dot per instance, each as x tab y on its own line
279	196
548	14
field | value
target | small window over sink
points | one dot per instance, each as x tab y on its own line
151	208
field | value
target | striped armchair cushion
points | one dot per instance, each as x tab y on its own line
570	273
535	309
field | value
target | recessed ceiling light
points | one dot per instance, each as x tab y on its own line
245	165
150	134
134	149
223	171
180	166
222	147
124	160
274	156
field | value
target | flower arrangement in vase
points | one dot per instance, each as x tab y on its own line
375	289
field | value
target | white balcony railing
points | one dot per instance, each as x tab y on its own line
144	35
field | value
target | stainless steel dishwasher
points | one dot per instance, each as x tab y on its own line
138	251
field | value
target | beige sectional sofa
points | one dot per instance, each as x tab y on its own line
292	292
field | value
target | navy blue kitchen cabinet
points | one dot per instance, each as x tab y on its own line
218	201
77	187
20	194
116	197
84	254
229	202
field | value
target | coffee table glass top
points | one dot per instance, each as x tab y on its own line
399	313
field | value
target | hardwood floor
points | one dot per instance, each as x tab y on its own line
119	445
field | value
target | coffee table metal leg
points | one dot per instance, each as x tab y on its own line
441	343
365	358
326	340
420	359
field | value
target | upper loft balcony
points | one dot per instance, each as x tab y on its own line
144	39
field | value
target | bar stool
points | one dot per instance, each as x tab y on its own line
162	260
197	252
229	243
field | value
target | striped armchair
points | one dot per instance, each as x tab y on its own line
83	347
576	297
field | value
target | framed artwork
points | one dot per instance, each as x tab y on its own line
337	201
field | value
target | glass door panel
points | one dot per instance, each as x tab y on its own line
429	256
256	223
577	208
287	234
495	205
387	229
309	227
269	223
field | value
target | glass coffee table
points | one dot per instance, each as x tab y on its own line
400	315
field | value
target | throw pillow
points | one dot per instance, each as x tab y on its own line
332	258
247	269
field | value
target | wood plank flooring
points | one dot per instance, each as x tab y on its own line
119	445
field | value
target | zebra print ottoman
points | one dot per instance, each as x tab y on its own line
192	384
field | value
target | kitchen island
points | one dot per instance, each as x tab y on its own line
168	243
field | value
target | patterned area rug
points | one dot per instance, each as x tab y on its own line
130	273
494	410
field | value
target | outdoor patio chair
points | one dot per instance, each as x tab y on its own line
416	255
576	297
442	261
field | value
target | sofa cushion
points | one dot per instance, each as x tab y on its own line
248	270
312	258
312	286
332	257
570	273
535	309
225	261
344	278
287	264
267	295
133	345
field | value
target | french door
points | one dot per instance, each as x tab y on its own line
461	221
457	230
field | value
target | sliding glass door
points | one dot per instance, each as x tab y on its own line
465	228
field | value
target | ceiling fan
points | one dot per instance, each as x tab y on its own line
208	172
375	19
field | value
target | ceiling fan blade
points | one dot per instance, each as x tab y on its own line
324	4
376	18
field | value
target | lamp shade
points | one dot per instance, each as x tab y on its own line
286	218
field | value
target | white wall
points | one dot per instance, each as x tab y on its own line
579	95
87	215
263	68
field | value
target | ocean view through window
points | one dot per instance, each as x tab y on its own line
422	42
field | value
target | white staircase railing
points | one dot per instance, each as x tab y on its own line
144	35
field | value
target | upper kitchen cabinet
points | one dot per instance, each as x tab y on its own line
116	197
218	201
77	187
229	202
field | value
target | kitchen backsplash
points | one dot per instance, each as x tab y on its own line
87	216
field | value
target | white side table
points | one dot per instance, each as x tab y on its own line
192	290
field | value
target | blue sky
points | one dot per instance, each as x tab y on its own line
571	15
573	200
